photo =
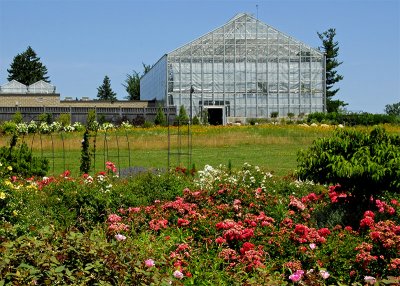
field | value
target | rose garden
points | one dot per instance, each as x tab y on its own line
332	221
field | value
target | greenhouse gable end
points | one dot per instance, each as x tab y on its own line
243	69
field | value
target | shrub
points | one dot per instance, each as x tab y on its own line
8	127
17	117
21	160
64	119
361	165
160	117
182	118
139	120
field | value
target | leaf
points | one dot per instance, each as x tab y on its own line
59	269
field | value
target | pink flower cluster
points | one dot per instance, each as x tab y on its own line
115	225
296	204
111	166
385	207
297	275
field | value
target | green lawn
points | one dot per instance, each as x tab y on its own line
269	146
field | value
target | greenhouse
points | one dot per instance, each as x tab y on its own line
241	70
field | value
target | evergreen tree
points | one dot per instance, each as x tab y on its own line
104	92
85	154
160	117
182	118
26	68
331	49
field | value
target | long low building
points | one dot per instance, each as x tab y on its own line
41	97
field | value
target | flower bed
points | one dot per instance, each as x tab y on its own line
239	227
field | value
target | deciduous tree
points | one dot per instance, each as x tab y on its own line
132	83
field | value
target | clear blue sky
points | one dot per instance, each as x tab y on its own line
82	41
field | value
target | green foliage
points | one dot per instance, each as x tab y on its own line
364	164
132	83
8	127
393	109
182	118
290	115
331	49
352	119
274	114
91	123
85	154
26	68
17	117
46	118
160	117
64	119
196	120
104	92
22	162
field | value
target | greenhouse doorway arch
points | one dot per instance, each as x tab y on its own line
216	115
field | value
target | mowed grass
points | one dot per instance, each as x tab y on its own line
273	147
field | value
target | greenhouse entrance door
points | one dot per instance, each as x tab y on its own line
215	115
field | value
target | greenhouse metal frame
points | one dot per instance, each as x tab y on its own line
243	69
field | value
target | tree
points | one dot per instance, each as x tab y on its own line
26	68
160	117
182	118
104	92
393	109
132	83
331	49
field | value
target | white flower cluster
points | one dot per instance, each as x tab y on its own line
107	126
299	183
247	177
44	128
126	124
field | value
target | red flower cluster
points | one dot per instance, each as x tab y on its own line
234	231
261	219
386	233
180	206
364	254
312	197
250	256
183	222
157	224
304	234
368	219
335	194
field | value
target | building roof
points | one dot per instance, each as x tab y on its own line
245	29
